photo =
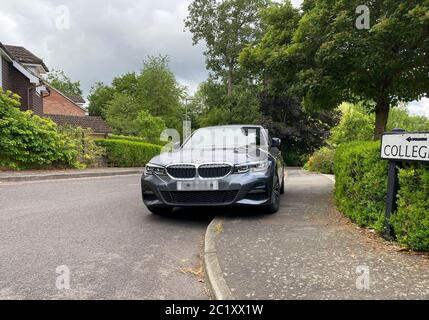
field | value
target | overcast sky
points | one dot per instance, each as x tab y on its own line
107	38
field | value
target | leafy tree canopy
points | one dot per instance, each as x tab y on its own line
154	90
226	27
99	97
60	81
328	60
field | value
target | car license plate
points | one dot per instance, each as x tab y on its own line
197	185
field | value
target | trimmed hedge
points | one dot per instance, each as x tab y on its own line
361	183
136	139
125	153
128	138
411	223
361	188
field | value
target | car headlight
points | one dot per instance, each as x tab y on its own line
154	169
252	166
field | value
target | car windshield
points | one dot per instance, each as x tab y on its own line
226	138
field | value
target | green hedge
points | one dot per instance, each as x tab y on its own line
361	183
128	138
136	139
411	223
361	188
124	153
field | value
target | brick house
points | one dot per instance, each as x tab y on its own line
21	72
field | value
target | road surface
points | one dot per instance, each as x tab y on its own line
99	230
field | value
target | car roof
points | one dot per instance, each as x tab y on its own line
234	126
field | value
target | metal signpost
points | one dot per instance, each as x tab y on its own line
399	146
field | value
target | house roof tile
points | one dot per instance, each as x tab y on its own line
22	55
96	124
76	99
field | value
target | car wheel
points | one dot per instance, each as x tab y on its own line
274	206
160	210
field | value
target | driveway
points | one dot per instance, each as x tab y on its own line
99	230
310	251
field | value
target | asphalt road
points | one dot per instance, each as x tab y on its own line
99	229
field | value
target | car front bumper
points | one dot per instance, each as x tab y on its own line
248	189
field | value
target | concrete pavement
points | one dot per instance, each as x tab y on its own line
309	251
98	228
38	175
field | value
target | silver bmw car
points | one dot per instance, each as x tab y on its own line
238	165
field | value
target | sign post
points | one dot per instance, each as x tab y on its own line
399	146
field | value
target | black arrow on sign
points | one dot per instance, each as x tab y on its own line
416	139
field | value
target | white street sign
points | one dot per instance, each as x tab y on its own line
405	146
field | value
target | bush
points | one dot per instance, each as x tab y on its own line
361	183
88	153
321	161
361	188
411	223
28	141
124	153
355	125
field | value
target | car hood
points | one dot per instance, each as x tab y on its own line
199	156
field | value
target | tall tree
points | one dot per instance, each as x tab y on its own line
99	97
226	27
159	92
60	81
302	131
330	60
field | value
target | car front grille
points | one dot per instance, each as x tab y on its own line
200	197
208	171
205	171
182	171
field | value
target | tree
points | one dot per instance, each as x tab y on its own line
226	27
121	113
211	106
155	90
329	60
159	92
60	81
149	127
302	131
99	97
126	84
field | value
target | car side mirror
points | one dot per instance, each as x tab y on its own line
276	143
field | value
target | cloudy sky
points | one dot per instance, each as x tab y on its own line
107	38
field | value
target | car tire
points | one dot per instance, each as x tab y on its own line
160	210
274	206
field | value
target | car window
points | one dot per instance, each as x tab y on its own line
226	137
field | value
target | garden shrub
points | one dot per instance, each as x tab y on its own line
89	153
28	141
411	222
321	161
361	183
125	153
